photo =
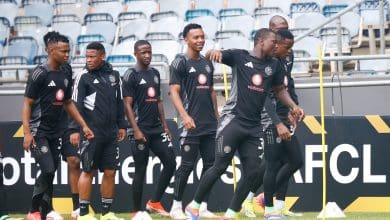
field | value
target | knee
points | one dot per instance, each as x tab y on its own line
109	174
187	166
170	165
73	163
297	165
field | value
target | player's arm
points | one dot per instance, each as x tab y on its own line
161	113
28	140
176	69
221	56
214	100
282	130
121	122
71	109
282	94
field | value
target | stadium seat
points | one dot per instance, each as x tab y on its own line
113	7
125	46
300	68
1	50
235	43
329	37
4	30
299	31
68	25
308	20
163	70
30	26
23	46
296	9
13	74
214	5
164	43
308	44
9	9
227	34
209	25
351	21
243	23
41	8
100	23
172	24
369	11
121	59
133	23
146	6
284	5
178	6
330	10
40	59
381	66
77	7
248	5
194	13
84	40
230	12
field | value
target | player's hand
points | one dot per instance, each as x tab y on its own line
168	132
74	139
292	120
298	113
28	142
188	122
139	136
214	55
88	133
121	134
283	132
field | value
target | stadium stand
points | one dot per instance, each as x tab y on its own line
26	47
148	7
213	6
284	5
68	25
13	74
308	20
210	25
194	13
121	59
242	23
100	23
133	23
84	40
41	8
248	5
9	9
166	22
4	30
329	37
40	59
299	8
369	10
309	44
113	7
164	43
30	26
66	7
178	6
125	46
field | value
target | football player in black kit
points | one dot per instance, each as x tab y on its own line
193	95
98	96
141	92
239	128
48	93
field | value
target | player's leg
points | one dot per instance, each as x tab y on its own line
189	148
89	166
250	152
161	146
228	138
207	153
71	156
140	153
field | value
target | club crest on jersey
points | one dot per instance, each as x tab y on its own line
155	78
112	79
285	81
208	69
257	79
151	92
202	79
60	95
66	82
268	70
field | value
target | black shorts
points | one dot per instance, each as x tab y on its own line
46	153
67	149
100	153
158	143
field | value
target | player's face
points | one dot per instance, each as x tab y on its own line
60	52
144	54
94	58
269	44
283	48
195	39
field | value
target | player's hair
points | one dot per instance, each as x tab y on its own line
139	43
262	34
189	27
96	46
276	19
54	37
284	34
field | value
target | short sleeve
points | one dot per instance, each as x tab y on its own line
176	70
279	74
228	56
211	76
128	84
35	83
67	69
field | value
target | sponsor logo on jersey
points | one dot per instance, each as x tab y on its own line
257	79
202	79
151	92
60	95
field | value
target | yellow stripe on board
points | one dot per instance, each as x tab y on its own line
19	133
369	204
377	122
290	201
312	123
65	206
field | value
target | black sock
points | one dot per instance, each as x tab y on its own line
84	207
36	203
106	204
75	200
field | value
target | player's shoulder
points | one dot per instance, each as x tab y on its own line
130	73
39	72
180	60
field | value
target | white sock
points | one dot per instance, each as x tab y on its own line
177	205
279	204
203	206
250	196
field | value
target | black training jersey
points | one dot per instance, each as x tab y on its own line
144	87
49	89
252	79
196	80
